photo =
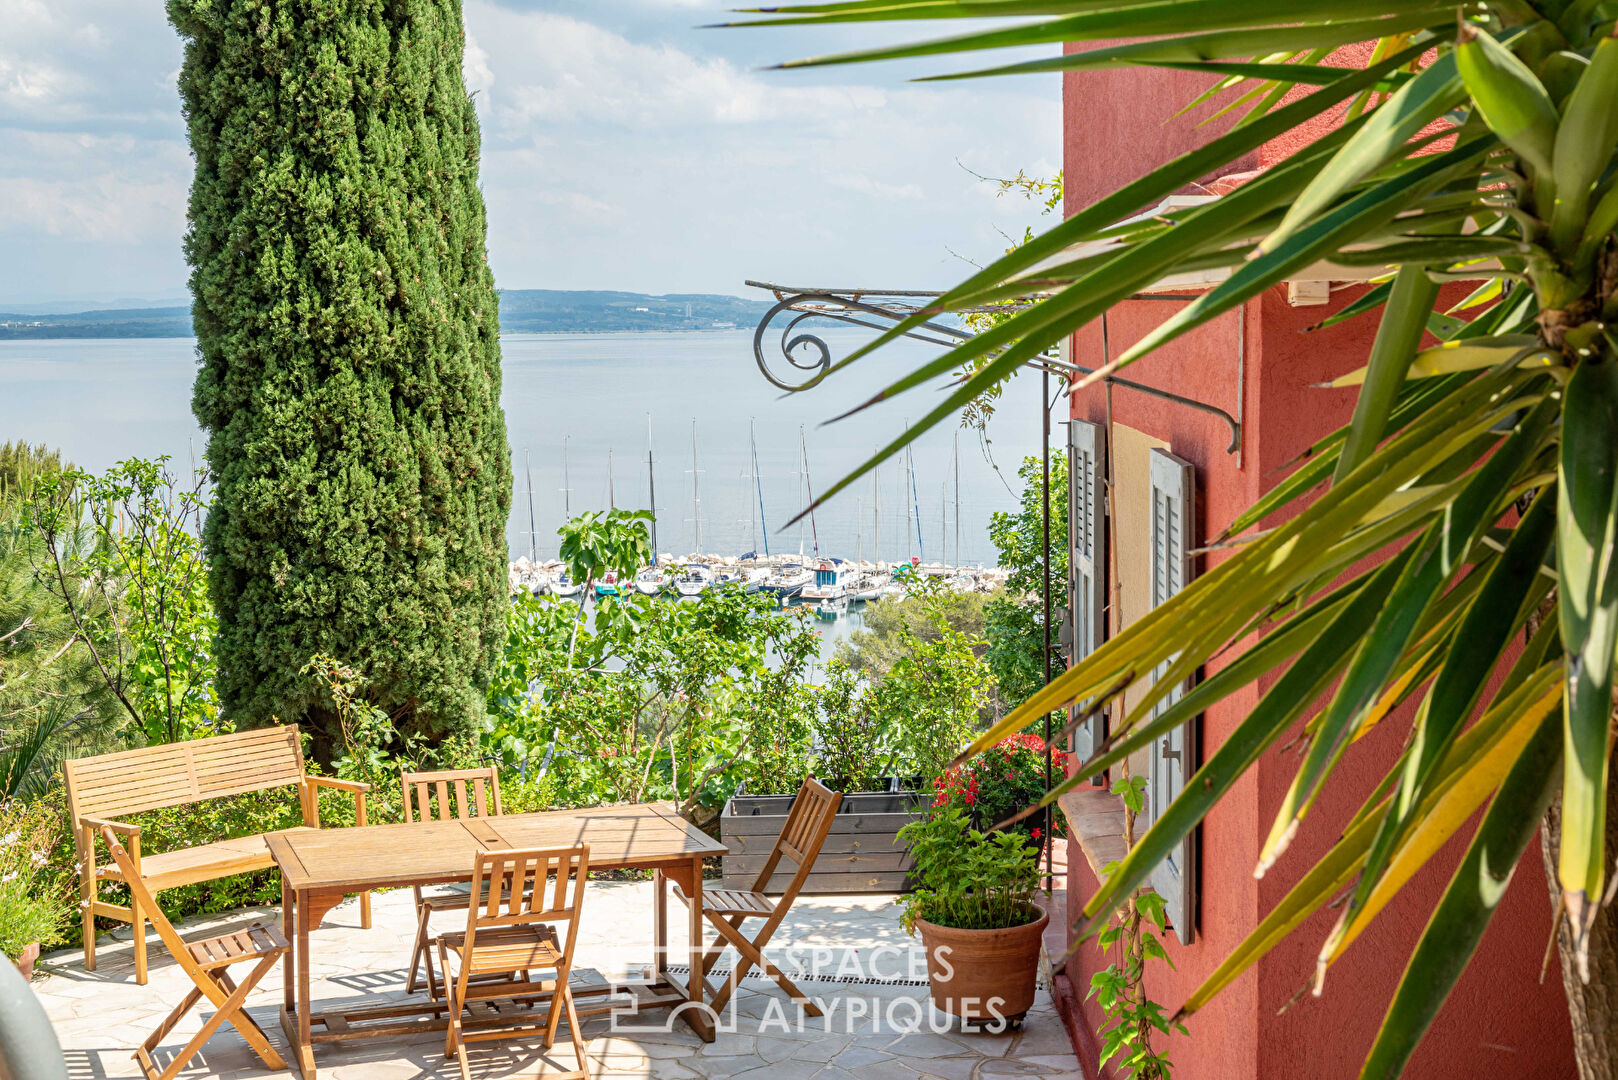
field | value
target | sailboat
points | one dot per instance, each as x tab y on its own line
652	580
694	580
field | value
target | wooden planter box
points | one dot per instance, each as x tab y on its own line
861	855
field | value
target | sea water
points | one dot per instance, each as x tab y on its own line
102	400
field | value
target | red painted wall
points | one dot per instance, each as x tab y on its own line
1500	1020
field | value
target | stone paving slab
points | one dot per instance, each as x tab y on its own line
867	1031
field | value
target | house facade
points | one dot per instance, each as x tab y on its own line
1153	479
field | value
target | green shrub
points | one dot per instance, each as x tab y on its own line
34	904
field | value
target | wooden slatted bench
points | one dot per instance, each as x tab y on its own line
109	786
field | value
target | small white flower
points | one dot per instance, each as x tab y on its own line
8	839
84	905
7	879
39	858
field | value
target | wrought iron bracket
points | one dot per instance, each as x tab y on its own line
808	357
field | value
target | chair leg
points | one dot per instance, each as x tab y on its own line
574	1029
224	1010
554	1016
365	911
420	953
88	919
245	1024
139	927
169	1021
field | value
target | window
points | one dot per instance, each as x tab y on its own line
1174	756
1087	545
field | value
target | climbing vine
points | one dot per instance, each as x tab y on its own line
1134	936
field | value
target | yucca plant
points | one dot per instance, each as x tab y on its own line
1472	145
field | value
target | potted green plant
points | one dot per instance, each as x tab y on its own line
974	908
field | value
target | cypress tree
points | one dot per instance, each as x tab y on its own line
349	371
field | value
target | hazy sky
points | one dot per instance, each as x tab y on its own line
624	148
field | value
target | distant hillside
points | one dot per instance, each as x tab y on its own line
527	311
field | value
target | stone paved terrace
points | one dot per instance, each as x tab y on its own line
101	1016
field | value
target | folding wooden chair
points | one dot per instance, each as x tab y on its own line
728	909
511	930
205	962
458	792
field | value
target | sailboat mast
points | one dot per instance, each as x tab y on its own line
758	484
957	498
528	468
567	492
943	523
808	488
651	486
696	489
859	531
876	518
612	499
915	505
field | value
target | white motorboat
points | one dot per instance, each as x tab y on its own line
565	587
868	589
694	580
833	580
787	581
651	581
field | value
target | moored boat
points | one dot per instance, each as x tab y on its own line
651	581
693	580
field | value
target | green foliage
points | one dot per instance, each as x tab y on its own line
654	699
1419	575
1135	936
934	693
965	879
31	887
1014	618
120	559
21	465
874	647
349	381
857	744
594	543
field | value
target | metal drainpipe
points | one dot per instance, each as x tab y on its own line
28	1046
1045	514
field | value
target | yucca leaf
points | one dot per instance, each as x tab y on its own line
1457	924
1275	712
1219	44
1331	873
1453	799
1508	96
1188	168
1584	143
1316	240
1419	102
1410	300
1587	519
1437	556
1469	354
1472	656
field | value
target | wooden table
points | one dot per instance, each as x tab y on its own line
319	867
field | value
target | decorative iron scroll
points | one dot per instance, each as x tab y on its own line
807	358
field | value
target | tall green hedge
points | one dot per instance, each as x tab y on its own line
349	375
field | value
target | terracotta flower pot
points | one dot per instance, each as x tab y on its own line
25	960
983	976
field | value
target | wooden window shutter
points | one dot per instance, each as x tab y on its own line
1174	756
1087	546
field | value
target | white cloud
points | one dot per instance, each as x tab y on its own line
622	149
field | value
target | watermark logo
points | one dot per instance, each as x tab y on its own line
842	984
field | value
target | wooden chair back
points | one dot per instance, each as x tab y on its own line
810	819
520	888
174	774
458	792
143	895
